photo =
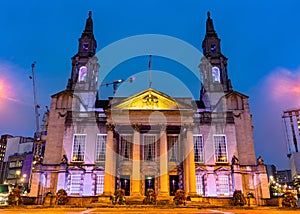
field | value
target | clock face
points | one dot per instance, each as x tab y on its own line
85	46
215	71
213	47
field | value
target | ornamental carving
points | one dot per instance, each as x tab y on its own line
110	126
136	126
150	100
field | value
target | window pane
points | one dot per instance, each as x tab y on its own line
172	148
220	149
223	182
149	147
198	149
199	184
78	147
99	184
75	183
101	147
126	147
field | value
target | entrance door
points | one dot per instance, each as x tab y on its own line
174	180
149	182
125	184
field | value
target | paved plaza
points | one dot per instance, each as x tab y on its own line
150	210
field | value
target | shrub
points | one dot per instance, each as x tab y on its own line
179	197
14	197
119	197
289	200
150	197
238	198
61	197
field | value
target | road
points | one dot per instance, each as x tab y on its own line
145	211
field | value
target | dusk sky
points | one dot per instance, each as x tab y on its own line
259	38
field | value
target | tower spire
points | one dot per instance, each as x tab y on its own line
210	25
82	62
89	24
213	67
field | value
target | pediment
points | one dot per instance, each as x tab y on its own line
222	170
150	99
236	94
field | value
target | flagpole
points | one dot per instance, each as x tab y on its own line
150	70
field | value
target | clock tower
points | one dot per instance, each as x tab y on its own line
85	68
213	68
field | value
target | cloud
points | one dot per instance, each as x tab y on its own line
283	86
16	105
278	91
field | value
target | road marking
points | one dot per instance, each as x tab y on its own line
218	211
88	211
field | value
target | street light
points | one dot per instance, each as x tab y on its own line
22	182
18	173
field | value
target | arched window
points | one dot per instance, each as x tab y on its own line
215	74
82	73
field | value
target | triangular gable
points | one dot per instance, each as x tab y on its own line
62	93
76	168
199	169
150	99
235	93
222	170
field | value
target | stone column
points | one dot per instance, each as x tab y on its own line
189	152
163	160
110	162
136	178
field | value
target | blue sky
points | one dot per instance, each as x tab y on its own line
260	38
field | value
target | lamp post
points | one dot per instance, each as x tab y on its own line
17	176
22	182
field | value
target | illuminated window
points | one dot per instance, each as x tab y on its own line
198	149
100	147
215	74
223	184
125	147
172	148
78	147
99	184
75	184
199	184
149	147
82	74
220	149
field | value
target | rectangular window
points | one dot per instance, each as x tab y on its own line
99	184
78	147
149	147
199	184
223	182
100	147
125	147
220	149
172	148
198	149
75	184
12	164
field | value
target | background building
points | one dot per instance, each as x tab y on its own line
3	165
150	140
17	162
291	124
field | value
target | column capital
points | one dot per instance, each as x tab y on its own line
110	126
162	127
188	126
136	126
